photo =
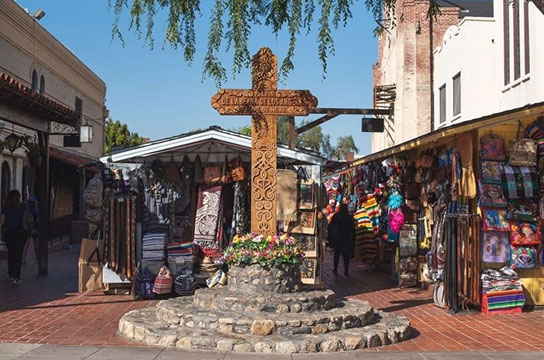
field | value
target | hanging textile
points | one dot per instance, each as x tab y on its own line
156	217
287	195
206	222
240	215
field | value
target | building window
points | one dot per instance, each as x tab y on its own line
442	91
34	85
457	94
79	106
42	85
526	36
506	40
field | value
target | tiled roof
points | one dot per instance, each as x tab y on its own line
19	95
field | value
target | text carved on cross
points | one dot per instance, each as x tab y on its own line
264	103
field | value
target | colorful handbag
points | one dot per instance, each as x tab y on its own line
535	131
495	220
143	284
492	147
491	196
522	257
522	153
491	171
524	234
495	246
163	281
519	182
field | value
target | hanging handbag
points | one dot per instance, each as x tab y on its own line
495	248
237	171
492	148
535	131
522	151
522	257
163	282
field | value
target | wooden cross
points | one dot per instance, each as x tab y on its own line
264	102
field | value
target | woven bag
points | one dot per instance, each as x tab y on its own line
522	151
492	148
163	282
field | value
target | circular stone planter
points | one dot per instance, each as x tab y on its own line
255	279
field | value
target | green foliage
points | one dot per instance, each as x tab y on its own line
118	135
344	145
241	16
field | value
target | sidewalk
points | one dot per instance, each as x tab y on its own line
52	352
48	310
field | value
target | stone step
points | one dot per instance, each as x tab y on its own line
143	326
225	300
183	313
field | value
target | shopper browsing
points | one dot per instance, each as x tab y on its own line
14	234
342	237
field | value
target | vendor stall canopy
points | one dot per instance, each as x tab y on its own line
211	145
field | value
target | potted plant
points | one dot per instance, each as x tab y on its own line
259	263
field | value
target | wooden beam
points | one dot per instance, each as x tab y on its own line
347	111
315	123
292	133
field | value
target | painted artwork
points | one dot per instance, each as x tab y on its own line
308	244
408	240
495	247
304	224
309	271
306	195
495	220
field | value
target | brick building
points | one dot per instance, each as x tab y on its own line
402	75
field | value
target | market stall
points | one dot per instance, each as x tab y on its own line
459	208
172	205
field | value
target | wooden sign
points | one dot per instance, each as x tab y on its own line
264	102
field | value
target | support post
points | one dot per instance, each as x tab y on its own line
43	198
82	182
292	133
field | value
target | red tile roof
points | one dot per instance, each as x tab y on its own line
19	95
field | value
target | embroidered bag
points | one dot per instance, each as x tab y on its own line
163	281
143	284
522	151
522	257
495	220
491	171
492	147
519	182
491	195
524	234
495	246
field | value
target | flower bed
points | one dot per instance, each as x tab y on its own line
267	251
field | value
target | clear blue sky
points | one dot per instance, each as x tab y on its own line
158	95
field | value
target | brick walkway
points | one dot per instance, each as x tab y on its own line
48	310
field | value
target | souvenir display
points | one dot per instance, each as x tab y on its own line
307	243
495	247
491	171
408	240
305	222
306	194
495	220
491	196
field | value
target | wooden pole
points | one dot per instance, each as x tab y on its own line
292	133
43	195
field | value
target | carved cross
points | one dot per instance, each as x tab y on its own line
264	102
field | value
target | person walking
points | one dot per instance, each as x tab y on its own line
32	206
342	237
14	234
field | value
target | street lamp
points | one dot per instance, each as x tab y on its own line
12	141
86	133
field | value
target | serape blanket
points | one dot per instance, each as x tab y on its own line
207	215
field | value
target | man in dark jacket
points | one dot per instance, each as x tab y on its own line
342	237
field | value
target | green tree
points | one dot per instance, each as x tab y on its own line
230	23
118	135
344	145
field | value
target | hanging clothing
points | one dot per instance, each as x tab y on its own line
207	216
240	215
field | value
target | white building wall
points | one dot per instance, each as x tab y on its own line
467	48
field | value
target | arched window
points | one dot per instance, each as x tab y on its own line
6	181
34	85
42	85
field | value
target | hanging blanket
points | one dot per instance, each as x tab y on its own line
519	182
206	222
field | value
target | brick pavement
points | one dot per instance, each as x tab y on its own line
48	310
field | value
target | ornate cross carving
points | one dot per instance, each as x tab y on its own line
264	102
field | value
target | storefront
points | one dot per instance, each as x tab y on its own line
459	208
179	201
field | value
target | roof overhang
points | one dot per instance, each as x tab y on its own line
204	143
15	94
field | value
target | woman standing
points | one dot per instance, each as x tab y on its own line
342	237
14	234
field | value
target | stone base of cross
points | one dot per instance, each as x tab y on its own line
264	102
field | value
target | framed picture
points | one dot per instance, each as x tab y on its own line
308	243
491	171
309	271
306	196
408	240
304	224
